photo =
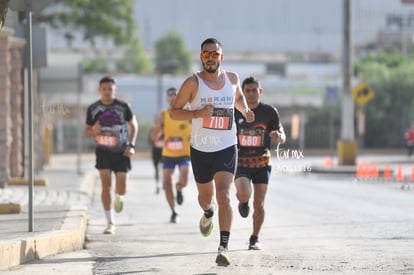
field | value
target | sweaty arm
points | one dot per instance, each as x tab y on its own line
186	95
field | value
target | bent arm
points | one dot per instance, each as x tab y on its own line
156	130
185	95
133	130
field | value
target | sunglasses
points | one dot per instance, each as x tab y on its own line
214	54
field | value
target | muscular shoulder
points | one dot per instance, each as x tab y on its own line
234	77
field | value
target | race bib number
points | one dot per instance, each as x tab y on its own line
108	141
222	119
175	144
251	137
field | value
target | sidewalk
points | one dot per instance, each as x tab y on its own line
60	211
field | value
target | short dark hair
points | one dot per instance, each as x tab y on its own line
107	79
211	41
250	80
171	89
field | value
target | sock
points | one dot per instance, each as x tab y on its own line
209	213
121	197
224	238
110	216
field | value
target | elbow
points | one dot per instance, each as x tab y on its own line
173	113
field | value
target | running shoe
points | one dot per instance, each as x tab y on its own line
180	197
110	229
244	209
254	244
206	225
222	258
174	218
118	204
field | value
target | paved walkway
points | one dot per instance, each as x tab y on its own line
59	212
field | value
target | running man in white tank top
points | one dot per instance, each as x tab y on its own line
213	94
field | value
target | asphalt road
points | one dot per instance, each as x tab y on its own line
315	224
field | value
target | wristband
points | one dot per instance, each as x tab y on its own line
245	111
131	145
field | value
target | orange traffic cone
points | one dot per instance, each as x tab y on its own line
399	176
365	170
328	162
374	172
359	171
412	173
387	172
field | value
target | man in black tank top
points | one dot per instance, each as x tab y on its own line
254	154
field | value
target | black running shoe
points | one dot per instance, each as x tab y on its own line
180	197
244	209
174	218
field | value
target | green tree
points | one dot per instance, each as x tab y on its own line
135	60
387	116
112	20
171	55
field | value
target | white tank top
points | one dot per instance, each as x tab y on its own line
219	131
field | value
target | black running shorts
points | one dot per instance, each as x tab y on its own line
115	161
206	164
256	175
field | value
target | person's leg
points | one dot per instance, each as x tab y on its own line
168	188
182	177
243	189
182	181
243	193
121	183
105	175
260	191
223	182
205	195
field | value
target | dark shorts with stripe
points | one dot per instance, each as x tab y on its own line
115	161
256	175
206	164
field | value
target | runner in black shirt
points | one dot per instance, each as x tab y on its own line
254	154
107	120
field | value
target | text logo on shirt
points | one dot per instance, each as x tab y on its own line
218	100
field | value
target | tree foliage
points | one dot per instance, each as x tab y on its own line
388	114
111	20
171	55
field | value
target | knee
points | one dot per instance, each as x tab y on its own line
243	196
223	197
258	206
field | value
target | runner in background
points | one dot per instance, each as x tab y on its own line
176	152
108	120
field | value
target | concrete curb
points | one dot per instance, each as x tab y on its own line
24	181
10	208
70	237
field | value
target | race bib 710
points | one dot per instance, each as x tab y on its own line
222	119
